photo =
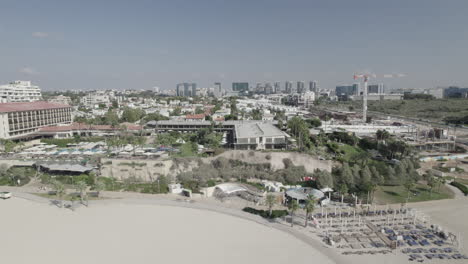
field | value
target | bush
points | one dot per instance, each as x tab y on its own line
266	213
132	164
462	187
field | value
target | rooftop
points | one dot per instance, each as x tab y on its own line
197	116
29	106
258	129
82	126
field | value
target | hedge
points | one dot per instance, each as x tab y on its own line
460	186
266	213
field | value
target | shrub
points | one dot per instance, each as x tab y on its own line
266	213
460	186
132	164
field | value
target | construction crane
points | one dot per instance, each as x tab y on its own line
366	78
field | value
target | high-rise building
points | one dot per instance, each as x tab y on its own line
300	87
194	89
344	91
313	86
186	89
288	87
240	87
19	91
217	92
268	88
376	88
357	88
180	89
277	87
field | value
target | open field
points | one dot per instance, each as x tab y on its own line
420	192
434	110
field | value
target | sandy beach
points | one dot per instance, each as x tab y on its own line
116	232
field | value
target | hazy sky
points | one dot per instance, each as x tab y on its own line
102	44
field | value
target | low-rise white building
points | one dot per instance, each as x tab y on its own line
60	99
256	135
93	99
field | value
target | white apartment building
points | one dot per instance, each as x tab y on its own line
23	119
93	99
60	99
19	91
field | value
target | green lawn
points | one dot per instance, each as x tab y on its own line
349	151
186	150
421	192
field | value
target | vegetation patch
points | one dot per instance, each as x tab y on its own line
16	176
461	187
132	164
266	213
419	193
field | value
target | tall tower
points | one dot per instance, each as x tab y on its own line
364	95
364	100
313	86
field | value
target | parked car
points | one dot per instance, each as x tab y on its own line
5	195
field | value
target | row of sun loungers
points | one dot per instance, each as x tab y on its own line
366	213
437	256
425	250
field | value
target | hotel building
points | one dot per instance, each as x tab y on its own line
20	120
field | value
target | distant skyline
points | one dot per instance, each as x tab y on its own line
116	44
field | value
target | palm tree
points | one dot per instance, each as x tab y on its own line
309	208
81	188
409	184
59	189
382	135
270	201
431	182
99	186
293	206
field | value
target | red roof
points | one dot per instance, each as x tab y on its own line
29	106
81	126
198	116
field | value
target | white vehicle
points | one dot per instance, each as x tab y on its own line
5	195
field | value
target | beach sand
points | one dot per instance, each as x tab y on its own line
140	233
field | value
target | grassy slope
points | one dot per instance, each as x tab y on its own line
398	194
